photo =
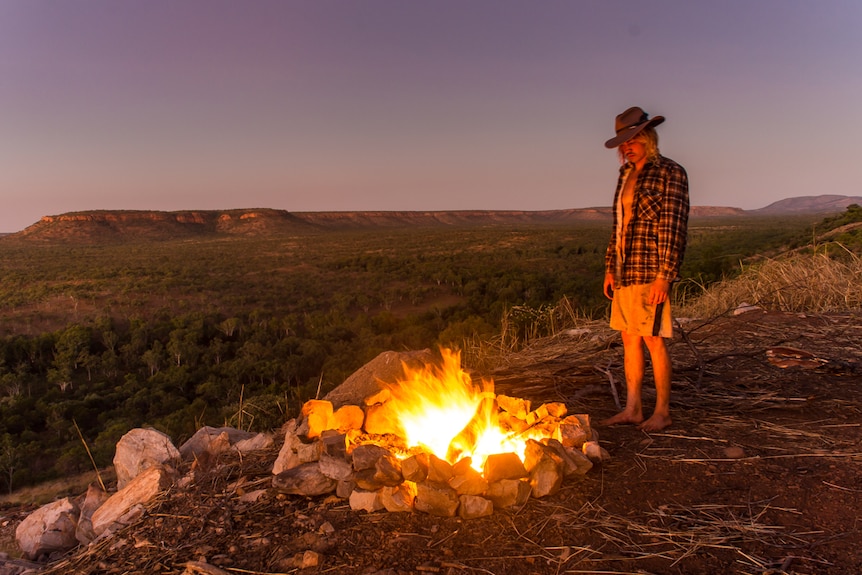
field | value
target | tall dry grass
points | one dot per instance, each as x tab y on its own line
811	281
819	279
520	327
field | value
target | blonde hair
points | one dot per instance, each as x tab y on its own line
649	137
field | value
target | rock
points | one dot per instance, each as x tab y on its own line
334	443
546	477
734	452
365	480
439	470
436	499
556	409
49	529
344	488
469	482
307	479
574	460
212	440
309	452
317	416
415	467
256	443
365	456
386	368
514	406
122	507
512	423
473	506
595	452
336	468
287	458
252	496
387	470
306	559
573	433
508	493
503	466
348	417
93	499
361	500
399	498
140	449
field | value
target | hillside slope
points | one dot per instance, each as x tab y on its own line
759	473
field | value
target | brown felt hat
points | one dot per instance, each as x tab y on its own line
629	124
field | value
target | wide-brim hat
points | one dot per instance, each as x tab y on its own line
631	123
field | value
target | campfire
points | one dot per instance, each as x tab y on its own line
435	442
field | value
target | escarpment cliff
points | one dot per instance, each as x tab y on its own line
132	225
119	225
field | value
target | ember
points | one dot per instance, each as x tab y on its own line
435	442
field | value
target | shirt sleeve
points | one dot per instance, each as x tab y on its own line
673	223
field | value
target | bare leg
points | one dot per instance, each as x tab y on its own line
662	370
634	361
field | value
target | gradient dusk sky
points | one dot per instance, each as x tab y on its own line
342	105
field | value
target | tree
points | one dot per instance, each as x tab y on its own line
8	459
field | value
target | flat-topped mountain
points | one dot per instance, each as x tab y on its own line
114	225
105	225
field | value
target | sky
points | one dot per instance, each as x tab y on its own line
345	105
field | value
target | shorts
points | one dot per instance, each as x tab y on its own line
631	313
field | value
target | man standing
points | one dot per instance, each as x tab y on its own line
643	259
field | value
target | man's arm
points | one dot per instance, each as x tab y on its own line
673	224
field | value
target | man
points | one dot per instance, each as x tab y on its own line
643	259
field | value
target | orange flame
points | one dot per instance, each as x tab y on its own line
440	409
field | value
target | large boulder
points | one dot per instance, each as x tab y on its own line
49	529
388	367
213	440
127	505
140	449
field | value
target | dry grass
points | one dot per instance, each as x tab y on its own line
49	491
521	327
810	282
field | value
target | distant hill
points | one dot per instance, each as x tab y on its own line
120	225
105	225
829	203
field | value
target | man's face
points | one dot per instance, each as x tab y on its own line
634	151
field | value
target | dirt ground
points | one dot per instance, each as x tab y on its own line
761	472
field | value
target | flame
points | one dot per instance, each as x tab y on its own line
442	411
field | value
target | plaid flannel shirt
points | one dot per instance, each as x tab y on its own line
656	233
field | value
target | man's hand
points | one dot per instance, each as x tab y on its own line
609	286
659	291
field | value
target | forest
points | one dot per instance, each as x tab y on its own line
97	339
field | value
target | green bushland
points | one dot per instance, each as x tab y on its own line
241	331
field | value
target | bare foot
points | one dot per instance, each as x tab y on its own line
623	417
656	422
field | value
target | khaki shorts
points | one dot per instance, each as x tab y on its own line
631	313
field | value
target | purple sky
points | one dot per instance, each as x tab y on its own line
401	105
